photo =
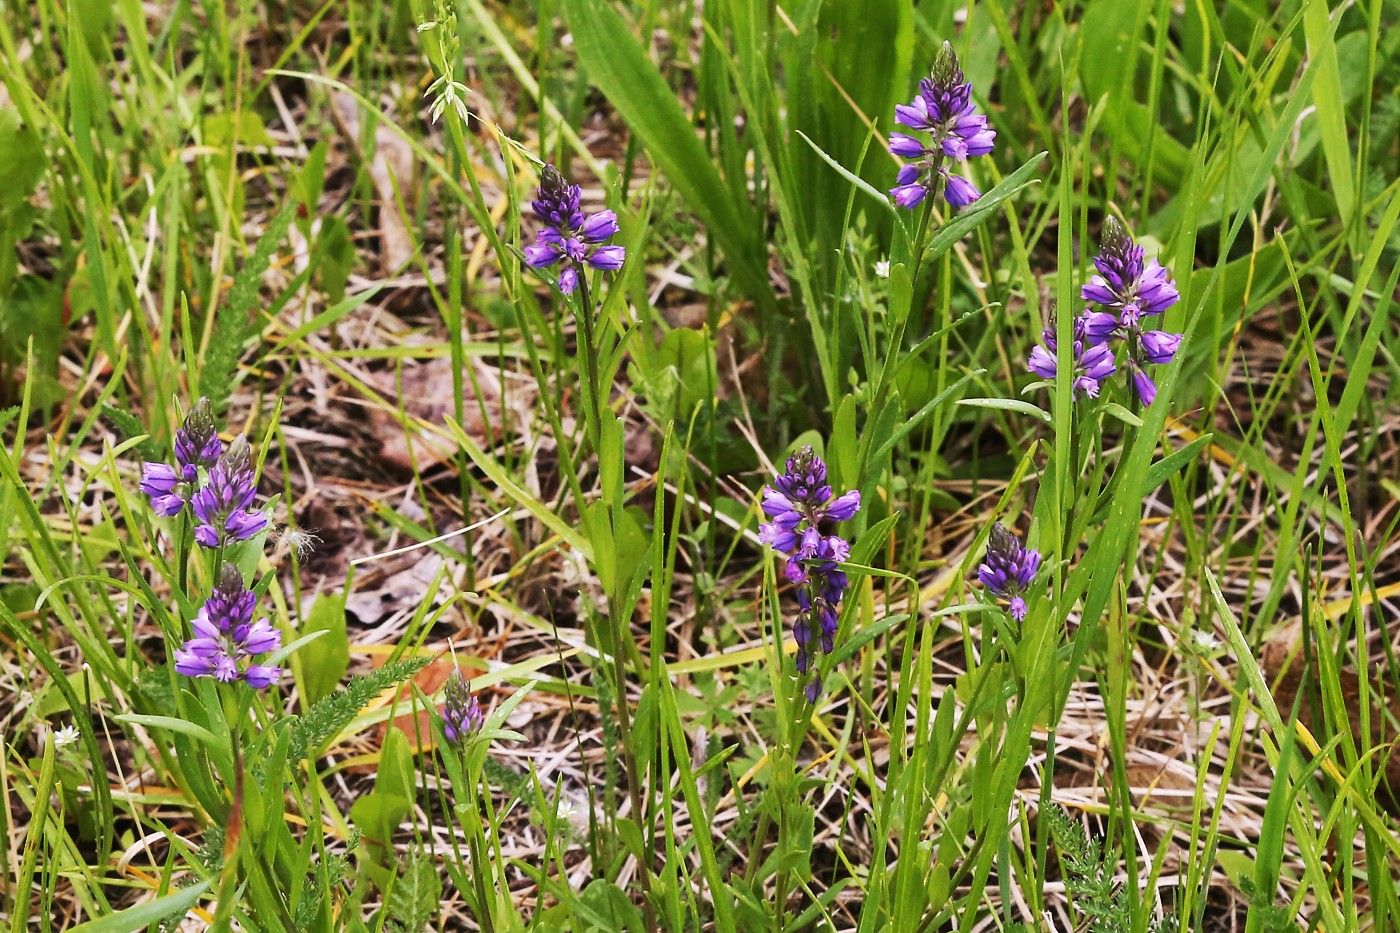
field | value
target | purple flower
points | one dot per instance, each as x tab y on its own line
461	713
960	192
1126	286
164	486
1009	569
797	503
1093	362
1143	385
1129	289
223	506
1159	346
197	442
225	636
943	109
569	234
197	445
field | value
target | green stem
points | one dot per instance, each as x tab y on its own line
183	547
590	383
592	389
485	904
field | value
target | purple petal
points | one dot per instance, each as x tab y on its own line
599	227
905	146
795	571
914	115
960	192
1042	363
1145	387
1157	298
225	669
1098	362
608	257
780	508
981	143
169	506
568	280
261	675
777	537
843	507
908	174
1159	346
909	195
1098	291
1099	326
541	255
158	479
1086	385
192	665
204	627
835	547
242	525
261	638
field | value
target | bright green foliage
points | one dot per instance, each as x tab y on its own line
329	715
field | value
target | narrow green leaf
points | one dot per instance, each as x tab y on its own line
170	724
143	915
617	64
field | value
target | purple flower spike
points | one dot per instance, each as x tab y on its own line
797	503
461	712
1009	569
197	442
1093	362
1126	286
569	234
197	445
224	505
225	636
1127	289
945	111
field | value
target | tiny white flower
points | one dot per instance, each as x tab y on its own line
1206	642
564	810
66	736
882	268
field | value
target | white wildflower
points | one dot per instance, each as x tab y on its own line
66	736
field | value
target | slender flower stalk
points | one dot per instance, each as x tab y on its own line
569	234
797	503
1009	569
943	109
224	505
225	636
1129	289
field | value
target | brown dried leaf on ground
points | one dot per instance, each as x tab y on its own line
426	393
